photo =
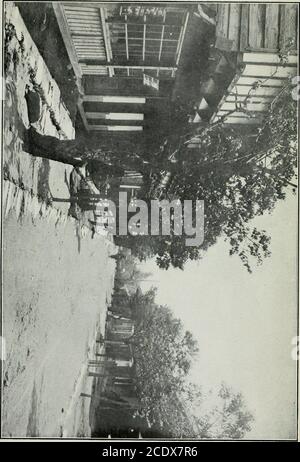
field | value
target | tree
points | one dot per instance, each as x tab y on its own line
129	274
139	301
88	149
169	402
239	176
163	352
228	418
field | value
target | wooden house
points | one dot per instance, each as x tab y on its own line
255	53
256	27
125	58
128	60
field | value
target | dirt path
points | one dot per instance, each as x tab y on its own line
54	298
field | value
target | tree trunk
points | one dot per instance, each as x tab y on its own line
66	151
83	149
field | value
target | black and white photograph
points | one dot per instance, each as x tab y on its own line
149	221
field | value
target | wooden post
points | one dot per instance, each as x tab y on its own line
114	99
97	374
133	405
116	128
97	361
124	381
115	342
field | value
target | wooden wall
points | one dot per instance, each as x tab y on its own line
254	87
259	27
130	86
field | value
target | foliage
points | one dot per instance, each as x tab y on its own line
128	274
239	176
163	352
170	403
228	418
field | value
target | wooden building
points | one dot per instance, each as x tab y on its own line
265	40
254	55
258	80
125	58
256	27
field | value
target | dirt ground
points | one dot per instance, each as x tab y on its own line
55	291
53	299
44	30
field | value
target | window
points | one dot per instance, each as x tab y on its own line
146	39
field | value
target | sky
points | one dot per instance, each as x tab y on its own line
244	323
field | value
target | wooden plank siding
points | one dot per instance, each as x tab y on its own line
223	20
93	38
288	24
70	47
114	120
256	32
260	27
234	24
256	25
244	29
86	32
263	69
272	26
